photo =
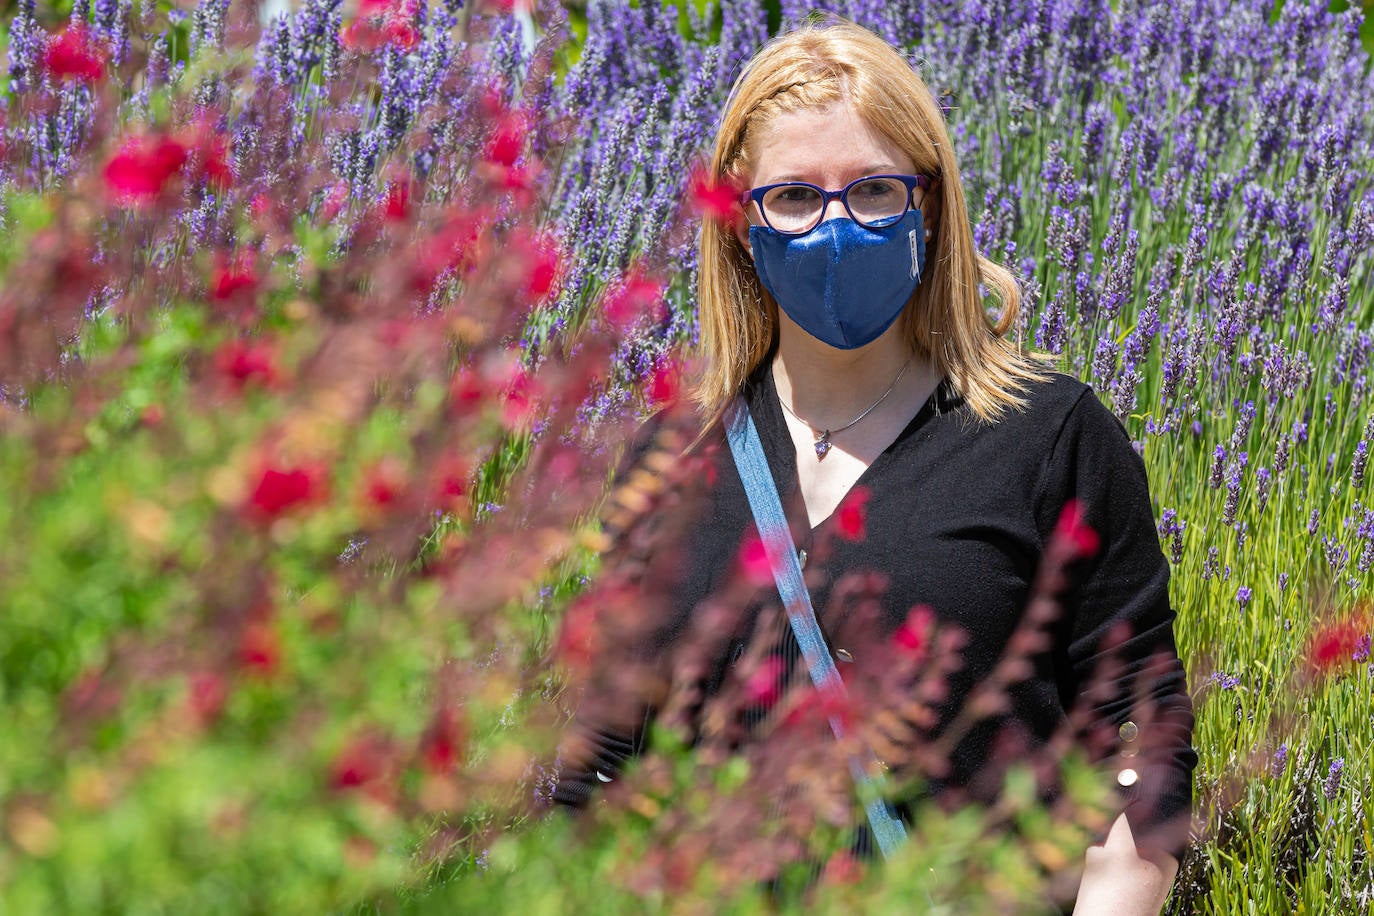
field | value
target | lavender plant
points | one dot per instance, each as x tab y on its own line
309	224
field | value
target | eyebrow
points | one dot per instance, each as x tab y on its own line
885	168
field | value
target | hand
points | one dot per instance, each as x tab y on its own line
1122	880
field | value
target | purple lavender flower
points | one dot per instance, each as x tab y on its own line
1332	784
1280	761
1214	477
1264	481
1243	597
1337	554
1223	680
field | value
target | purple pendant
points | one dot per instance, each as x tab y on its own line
823	445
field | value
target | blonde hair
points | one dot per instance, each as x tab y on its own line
814	66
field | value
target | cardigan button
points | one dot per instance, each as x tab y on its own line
1128	731
801	557
844	655
1127	778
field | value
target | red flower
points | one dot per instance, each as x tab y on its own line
1075	532
74	55
764	686
632	297
1334	645
842	868
451	483
665	385
753	561
214	151
851	518
577	639
143	166
360	764
506	142
821	706
206	692
466	391
279	490
521	399
543	274
259	651
401	34
381	22
397	206
232	275
442	742
713	199
913	635
245	363
383	484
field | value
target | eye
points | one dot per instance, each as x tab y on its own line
877	189
794	194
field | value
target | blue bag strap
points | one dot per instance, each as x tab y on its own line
747	450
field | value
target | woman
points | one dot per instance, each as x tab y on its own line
843	306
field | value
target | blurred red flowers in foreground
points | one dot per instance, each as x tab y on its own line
279	490
1335	645
73	55
713	199
143	166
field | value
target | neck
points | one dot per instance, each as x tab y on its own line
828	386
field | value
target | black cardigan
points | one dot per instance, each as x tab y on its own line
959	514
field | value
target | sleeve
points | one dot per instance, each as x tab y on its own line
1116	658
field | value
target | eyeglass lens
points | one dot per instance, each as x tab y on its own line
798	208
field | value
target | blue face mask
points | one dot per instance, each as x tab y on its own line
842	283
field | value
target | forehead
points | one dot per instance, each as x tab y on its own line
827	145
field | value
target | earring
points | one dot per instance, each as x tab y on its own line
927	235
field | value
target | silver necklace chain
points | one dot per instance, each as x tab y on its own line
823	444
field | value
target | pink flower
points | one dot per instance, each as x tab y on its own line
143	166
74	55
913	636
506	142
521	399
543	273
397	205
851	518
764	686
665	385
1073	530
716	200
753	560
633	296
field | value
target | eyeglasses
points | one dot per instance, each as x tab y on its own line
874	201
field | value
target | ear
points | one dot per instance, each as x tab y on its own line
740	226
930	211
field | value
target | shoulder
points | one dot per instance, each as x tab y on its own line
1048	406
